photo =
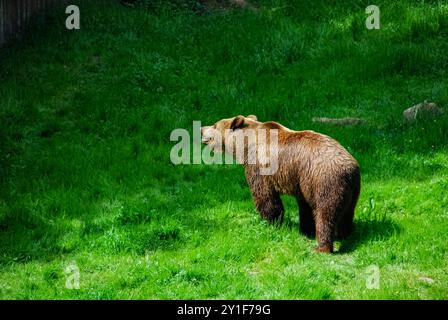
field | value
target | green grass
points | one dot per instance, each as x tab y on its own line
86	175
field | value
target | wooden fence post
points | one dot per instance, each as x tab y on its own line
15	13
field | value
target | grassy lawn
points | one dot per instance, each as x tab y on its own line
85	167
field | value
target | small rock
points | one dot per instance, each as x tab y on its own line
239	3
426	279
95	60
424	108
340	121
128	3
223	4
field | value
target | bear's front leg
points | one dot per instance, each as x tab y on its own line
306	219
266	198
270	207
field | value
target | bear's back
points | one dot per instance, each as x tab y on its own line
308	158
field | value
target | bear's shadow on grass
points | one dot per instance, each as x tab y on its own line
364	231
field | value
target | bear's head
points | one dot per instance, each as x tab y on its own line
251	142
223	131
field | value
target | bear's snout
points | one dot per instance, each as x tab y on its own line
206	135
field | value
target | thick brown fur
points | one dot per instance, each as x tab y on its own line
315	169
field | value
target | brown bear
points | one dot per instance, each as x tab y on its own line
322	175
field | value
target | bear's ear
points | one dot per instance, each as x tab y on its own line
252	117
237	122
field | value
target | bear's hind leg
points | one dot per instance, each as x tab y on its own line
306	219
345	225
324	230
